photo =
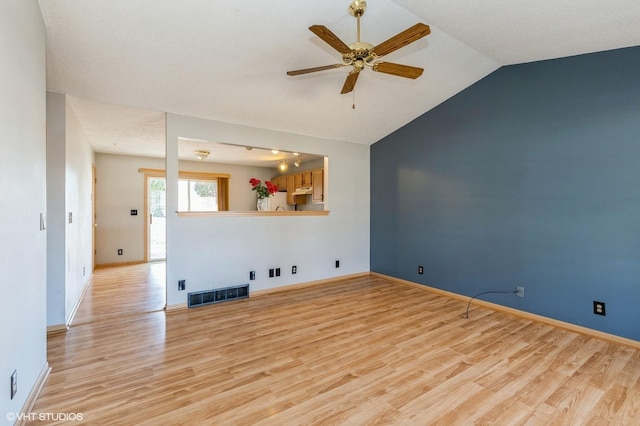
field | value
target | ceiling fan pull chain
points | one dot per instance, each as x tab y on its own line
353	105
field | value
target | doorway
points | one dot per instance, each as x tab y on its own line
157	217
94	218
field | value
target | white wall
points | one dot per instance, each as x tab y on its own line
56	208
120	189
69	245
23	182
79	200
210	252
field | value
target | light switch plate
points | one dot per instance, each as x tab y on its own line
14	383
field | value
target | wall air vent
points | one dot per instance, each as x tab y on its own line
207	297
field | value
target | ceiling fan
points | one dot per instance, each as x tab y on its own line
361	54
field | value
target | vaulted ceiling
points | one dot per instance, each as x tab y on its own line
123	62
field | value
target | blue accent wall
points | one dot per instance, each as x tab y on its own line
529	177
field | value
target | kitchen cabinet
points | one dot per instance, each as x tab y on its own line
307	178
317	179
303	179
280	182
291	183
312	178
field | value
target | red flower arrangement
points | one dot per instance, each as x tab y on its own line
263	190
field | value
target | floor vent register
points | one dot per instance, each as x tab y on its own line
219	295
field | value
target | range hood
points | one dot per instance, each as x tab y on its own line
303	190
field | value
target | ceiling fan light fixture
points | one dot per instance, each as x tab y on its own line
201	154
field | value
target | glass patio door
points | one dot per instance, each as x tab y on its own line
156	221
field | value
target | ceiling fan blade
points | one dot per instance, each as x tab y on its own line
400	70
330	38
350	82
402	39
314	69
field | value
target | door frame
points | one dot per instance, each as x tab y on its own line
94	217
148	174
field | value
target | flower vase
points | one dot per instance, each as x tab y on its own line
263	204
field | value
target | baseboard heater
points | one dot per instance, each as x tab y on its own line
208	297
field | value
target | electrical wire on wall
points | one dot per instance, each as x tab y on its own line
466	314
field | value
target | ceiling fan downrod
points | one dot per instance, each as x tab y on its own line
357	8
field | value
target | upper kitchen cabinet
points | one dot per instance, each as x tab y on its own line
280	182
307	179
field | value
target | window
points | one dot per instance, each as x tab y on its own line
198	191
203	192
197	195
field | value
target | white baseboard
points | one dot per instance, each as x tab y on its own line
176	307
58	328
306	284
77	305
129	263
35	392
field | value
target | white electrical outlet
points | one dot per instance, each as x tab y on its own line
520	291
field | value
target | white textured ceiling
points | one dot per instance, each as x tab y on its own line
227	60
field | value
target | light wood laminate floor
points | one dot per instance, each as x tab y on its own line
354	352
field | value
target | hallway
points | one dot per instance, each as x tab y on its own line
122	290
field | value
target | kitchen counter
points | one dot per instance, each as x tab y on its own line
256	213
